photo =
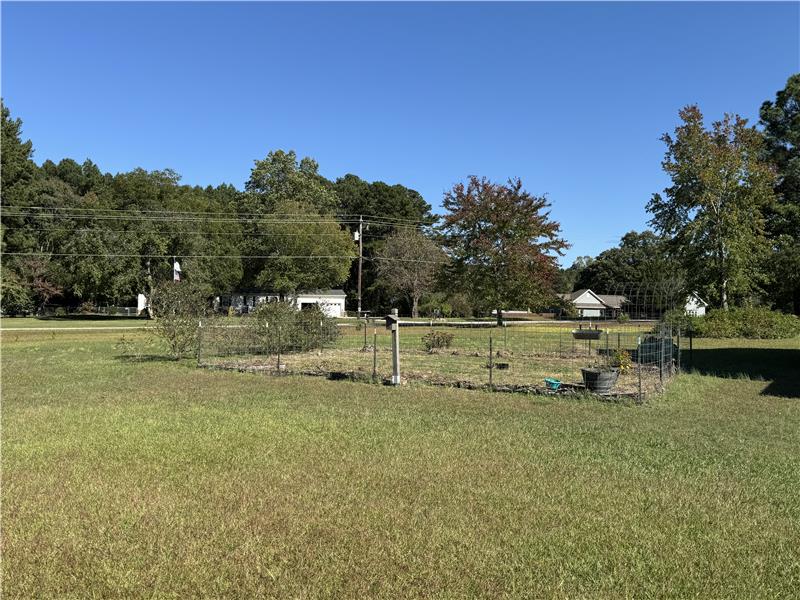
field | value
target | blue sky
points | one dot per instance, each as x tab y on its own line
571	97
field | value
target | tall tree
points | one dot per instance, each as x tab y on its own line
714	207
280	177
313	251
16	159
408	263
502	243
640	259
781	127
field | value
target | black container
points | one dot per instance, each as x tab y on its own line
599	381
587	334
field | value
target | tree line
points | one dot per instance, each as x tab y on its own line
728	228
74	235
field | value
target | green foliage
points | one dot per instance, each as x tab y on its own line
178	309
781	122
280	327
281	178
714	210
325	248
679	320
623	317
621	359
15	297
437	340
359	197
752	323
640	258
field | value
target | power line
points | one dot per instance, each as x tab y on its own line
191	215
214	256
199	212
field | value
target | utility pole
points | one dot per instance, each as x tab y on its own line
360	258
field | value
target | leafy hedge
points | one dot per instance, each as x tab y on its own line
754	323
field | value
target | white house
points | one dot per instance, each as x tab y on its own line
695	305
330	301
591	305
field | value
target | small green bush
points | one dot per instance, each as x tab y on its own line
623	317
753	323
621	359
437	340
15	297
279	326
679	320
178	309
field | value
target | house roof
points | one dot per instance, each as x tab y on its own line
607	300
339	293
252	292
612	300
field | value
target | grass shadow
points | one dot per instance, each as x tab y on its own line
91	318
144	358
779	366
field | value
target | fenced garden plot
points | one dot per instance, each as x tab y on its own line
529	358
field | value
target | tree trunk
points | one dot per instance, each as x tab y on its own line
414	307
724	289
499	317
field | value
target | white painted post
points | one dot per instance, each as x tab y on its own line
394	325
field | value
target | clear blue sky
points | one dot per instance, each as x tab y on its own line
570	97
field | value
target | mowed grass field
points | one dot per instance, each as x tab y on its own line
153	478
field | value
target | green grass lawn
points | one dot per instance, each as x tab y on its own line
152	478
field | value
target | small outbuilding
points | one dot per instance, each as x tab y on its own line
695	305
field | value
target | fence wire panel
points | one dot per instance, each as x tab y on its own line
357	352
510	357
539	356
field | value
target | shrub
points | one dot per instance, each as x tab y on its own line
279	326
621	359
15	298
178	309
754	323
437	340
679	320
623	317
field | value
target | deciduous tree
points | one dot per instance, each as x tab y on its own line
408	263
714	209
502	243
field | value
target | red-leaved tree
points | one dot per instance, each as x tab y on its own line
503	245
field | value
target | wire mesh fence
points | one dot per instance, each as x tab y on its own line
631	360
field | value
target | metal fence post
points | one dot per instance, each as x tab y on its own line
639	364
491	362
679	350
279	351
199	343
395	327
374	354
